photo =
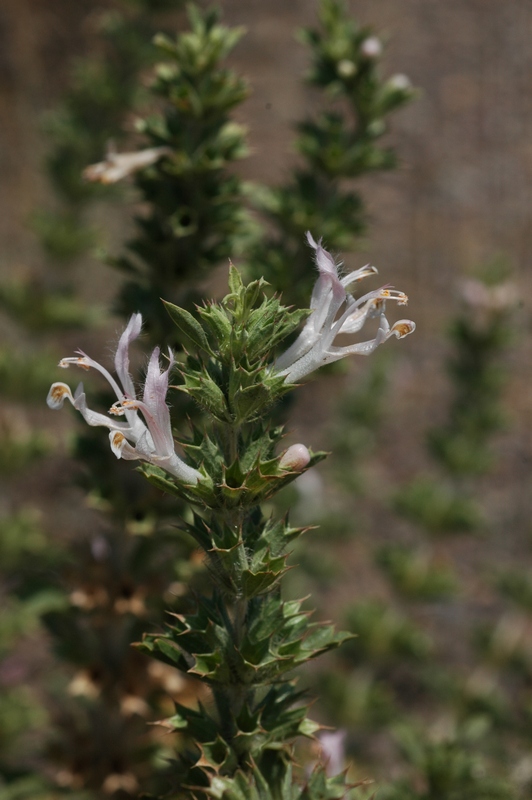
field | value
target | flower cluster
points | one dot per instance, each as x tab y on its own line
315	346
149	439
146	432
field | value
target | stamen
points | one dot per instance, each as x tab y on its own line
393	294
79	361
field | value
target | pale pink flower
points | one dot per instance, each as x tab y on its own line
149	439
371	47
334	312
333	751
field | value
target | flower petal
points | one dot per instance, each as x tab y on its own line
94	418
295	458
122	448
59	392
324	260
358	275
129	335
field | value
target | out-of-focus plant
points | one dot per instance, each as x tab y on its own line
446	766
41	304
195	216
26	557
400	669
461	446
337	146
106	86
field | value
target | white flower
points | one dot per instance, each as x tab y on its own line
119	165
149	439
314	346
500	297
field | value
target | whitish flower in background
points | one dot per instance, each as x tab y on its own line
499	297
333	751
149	439
334	312
400	82
371	47
119	165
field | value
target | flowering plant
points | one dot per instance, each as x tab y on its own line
242	640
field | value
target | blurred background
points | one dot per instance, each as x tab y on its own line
436	581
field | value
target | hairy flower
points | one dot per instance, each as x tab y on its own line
119	165
334	312
146	439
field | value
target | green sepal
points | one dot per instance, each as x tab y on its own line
206	392
278	638
233	487
217	323
200	493
200	725
218	756
163	649
254	583
254	785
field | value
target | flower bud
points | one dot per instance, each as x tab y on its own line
295	458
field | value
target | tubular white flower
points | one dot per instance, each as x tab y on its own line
314	346
117	166
149	439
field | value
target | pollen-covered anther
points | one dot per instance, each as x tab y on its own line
79	362
403	327
117	439
393	294
119	408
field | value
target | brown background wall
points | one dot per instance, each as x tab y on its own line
461	196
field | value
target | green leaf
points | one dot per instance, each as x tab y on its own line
188	325
235	280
